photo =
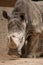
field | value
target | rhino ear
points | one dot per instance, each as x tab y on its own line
5	15
22	16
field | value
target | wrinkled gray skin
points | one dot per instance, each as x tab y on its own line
24	21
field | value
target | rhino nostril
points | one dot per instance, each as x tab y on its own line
13	36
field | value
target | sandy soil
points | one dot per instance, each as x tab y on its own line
13	60
22	61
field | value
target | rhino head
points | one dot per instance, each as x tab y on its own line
16	30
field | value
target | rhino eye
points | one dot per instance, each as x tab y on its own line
22	16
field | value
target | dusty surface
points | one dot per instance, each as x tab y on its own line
22	62
13	60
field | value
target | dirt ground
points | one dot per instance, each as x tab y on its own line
22	61
13	60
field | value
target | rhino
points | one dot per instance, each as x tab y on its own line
24	27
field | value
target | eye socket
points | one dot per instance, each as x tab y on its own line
22	16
